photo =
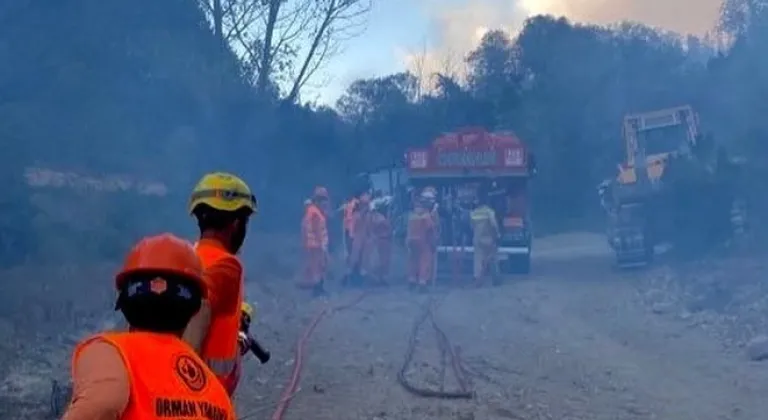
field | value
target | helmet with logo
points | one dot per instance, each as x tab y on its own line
164	254
160	284
224	192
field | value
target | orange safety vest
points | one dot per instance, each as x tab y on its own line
314	236
220	347
349	215
167	379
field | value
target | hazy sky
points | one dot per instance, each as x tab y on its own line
438	33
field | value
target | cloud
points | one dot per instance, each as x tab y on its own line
456	26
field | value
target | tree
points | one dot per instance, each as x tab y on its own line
737	16
369	99
335	21
285	42
144	86
495	75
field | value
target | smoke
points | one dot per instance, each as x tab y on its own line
695	17
456	26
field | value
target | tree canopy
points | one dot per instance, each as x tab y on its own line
164	90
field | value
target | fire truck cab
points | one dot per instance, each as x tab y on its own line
460	164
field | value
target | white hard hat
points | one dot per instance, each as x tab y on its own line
381	201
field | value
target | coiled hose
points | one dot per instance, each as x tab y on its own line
446	349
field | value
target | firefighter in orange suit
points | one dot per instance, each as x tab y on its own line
222	204
149	372
421	239
361	243
349	219
314	234
381	240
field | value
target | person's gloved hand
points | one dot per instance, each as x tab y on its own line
244	343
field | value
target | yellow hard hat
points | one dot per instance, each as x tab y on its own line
222	191
247	309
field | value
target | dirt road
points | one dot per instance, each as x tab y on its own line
572	341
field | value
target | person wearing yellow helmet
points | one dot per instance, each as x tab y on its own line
222	203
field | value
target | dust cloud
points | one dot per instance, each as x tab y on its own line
458	25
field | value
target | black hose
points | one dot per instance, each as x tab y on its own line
60	397
260	352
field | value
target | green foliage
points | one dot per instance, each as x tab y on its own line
564	89
144	88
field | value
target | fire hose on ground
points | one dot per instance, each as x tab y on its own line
446	350
300	351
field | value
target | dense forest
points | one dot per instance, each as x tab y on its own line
162	91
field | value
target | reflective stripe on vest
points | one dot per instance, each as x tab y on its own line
167	379
220	347
221	367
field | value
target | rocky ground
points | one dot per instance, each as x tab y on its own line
574	340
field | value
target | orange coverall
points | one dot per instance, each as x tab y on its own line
349	223
361	238
314	233
421	238
224	277
381	241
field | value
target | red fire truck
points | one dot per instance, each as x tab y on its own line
459	165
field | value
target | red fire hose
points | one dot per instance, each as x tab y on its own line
293	383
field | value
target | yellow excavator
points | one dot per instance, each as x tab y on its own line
675	186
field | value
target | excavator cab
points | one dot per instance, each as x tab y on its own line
674	187
652	139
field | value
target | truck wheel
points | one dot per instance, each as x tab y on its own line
524	264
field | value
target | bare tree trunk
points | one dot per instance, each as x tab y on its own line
218	21
316	41
265	64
